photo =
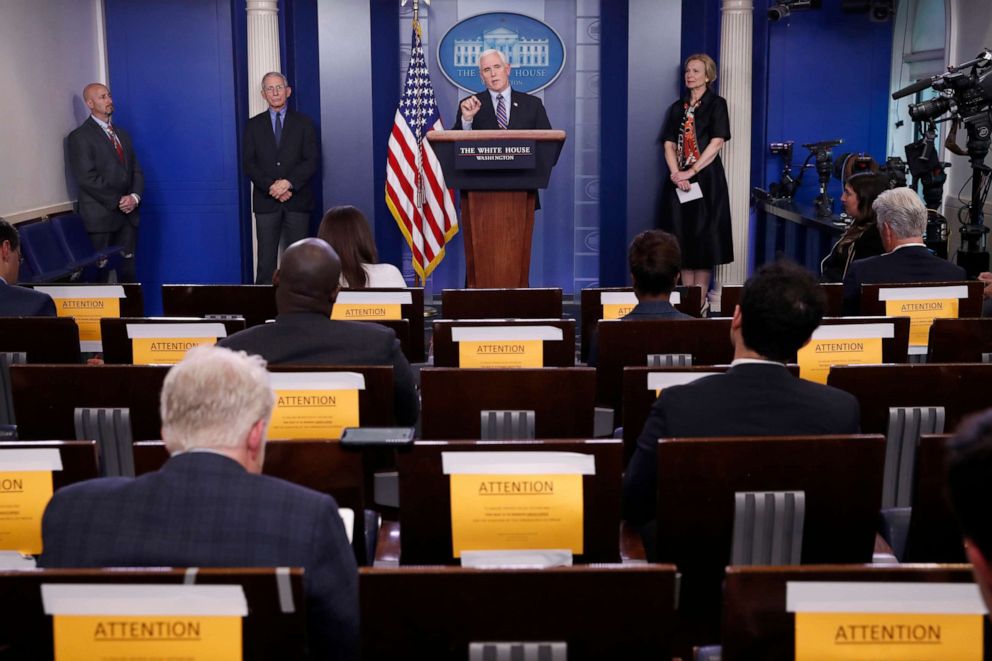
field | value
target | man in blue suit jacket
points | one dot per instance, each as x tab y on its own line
18	301
902	219
209	506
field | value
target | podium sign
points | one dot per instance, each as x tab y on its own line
498	183
490	155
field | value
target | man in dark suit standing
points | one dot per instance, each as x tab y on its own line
781	306
110	181
498	106
281	155
902	219
18	301
209	505
304	334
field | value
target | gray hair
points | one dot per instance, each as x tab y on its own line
502	56
212	398
902	210
285	83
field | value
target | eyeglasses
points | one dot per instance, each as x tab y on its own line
272	89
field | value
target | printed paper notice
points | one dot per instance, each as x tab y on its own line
88	312
164	350
147	638
516	511
921	314
501	353
906	637
817	357
313	414
23	498
366	311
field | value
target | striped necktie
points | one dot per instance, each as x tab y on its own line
501	111
117	143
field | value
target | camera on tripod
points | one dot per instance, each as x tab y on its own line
966	96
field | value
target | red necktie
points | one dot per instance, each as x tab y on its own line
117	143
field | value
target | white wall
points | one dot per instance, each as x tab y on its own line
49	50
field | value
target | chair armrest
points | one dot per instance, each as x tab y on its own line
387	548
631	546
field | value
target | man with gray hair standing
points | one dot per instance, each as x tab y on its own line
499	106
209	505
281	155
902	219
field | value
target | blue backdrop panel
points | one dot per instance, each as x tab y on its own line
828	78
172	75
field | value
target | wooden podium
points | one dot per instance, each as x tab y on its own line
498	173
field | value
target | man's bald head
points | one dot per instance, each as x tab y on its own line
97	98
307	279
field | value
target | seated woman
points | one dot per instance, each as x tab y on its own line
346	229
862	238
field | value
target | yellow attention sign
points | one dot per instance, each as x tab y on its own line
617	310
88	312
501	353
366	312
816	358
303	414
23	498
147	638
516	512
906	637
921	314
164	350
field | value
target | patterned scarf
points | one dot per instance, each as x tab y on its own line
688	147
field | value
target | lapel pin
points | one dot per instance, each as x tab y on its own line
515	104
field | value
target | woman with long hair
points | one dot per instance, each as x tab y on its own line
348	232
862	238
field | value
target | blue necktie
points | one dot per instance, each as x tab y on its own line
278	129
501	111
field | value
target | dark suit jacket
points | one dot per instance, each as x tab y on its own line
313	339
24	302
204	510
103	180
910	264
645	311
526	112
296	159
751	399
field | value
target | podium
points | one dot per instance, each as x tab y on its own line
498	174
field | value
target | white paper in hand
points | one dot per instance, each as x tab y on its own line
694	193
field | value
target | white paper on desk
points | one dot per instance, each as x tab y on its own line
694	193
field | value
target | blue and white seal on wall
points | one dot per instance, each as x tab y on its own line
535	51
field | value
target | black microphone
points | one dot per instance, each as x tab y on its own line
918	86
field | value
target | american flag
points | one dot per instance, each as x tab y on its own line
422	205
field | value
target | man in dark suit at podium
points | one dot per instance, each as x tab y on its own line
498	106
281	155
18	301
902	219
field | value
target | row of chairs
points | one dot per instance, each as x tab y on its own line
59	248
699	479
442	612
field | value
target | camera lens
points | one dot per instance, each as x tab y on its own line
920	112
777	12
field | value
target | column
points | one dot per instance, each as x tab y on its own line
263	57
735	86
263	48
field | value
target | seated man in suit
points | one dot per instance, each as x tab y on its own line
902	220
498	106
18	301
969	484
655	261
304	334
209	506
781	306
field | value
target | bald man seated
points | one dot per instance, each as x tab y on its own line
304	334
